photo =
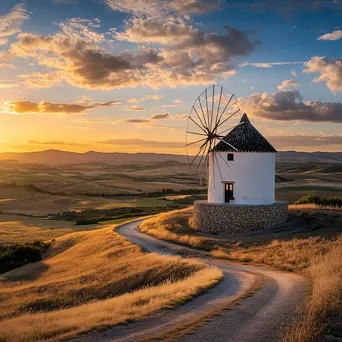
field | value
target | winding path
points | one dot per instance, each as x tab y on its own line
251	303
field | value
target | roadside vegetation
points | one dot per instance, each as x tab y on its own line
320	318
92	280
309	242
321	201
93	216
16	255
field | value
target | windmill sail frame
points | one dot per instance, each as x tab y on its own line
213	113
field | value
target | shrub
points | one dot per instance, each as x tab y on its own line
332	201
86	221
16	255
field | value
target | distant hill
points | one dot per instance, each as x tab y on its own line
65	157
306	157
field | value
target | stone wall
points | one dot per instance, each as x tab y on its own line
228	218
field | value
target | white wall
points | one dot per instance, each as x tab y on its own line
253	175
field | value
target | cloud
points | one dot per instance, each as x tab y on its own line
180	116
144	98
44	107
152	97
138	121
179	34
76	56
267	64
143	143
153	118
133	108
293	73
157	8
195	6
287	83
40	80
53	142
79	56
139	7
171	31
330	71
162	116
10	24
175	103
5	58
286	142
288	105
335	35
7	65
84	99
189	56
8	84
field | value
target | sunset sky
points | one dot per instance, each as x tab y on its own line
122	75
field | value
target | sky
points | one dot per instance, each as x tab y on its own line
123	75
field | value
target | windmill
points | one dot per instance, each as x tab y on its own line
239	164
214	113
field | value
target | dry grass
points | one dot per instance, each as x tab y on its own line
93	279
173	226
22	229
323	310
311	206
291	255
315	250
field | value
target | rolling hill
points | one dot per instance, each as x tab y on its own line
66	157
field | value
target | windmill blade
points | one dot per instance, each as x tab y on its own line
227	143
197	124
205	165
198	117
216	123
229	117
213	168
230	128
201	160
201	148
218	108
197	133
224	161
206	104
212	107
200	103
218	166
195	142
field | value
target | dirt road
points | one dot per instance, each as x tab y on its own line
251	303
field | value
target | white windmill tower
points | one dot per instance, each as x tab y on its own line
238	162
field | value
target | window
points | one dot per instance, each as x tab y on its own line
230	156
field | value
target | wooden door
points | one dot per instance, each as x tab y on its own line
228	192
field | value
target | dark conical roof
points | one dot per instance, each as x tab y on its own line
245	138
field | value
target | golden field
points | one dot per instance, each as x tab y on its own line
23	229
93	279
107	185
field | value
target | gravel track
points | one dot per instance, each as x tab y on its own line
233	310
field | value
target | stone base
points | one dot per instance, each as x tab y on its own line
229	219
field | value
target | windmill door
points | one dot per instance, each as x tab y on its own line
228	192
